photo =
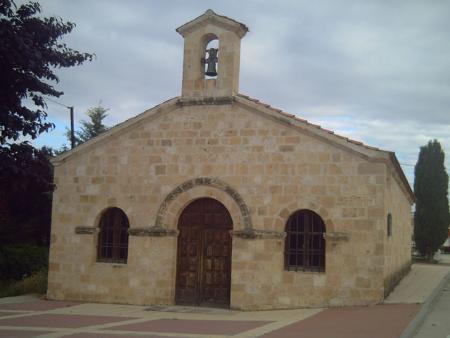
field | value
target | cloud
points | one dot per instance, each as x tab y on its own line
374	71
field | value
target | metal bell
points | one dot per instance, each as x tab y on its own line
211	62
211	69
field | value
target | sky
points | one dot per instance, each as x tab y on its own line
374	71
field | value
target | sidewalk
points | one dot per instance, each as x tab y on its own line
28	316
436	323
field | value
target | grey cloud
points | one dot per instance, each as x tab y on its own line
343	64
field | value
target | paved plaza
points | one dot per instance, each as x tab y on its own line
29	316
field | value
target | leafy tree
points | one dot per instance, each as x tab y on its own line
91	128
30	51
431	219
25	211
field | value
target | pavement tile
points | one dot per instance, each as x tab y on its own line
38	305
386	321
418	284
6	313
109	335
60	321
218	327
21	333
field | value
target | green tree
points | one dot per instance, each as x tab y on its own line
25	212
95	126
92	127
30	51
432	217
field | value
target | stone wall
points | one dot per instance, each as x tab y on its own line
276	169
397	247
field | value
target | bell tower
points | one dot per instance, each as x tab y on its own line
212	45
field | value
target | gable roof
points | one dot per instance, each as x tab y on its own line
162	107
368	152
211	17
345	143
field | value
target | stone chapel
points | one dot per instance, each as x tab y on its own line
214	198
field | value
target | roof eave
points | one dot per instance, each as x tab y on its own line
57	160
239	28
400	172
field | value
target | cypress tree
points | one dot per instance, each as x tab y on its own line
432	218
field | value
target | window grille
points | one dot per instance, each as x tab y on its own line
305	242
113	237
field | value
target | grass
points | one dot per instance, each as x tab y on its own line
36	283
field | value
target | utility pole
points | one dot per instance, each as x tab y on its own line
72	133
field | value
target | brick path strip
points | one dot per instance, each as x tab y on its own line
21	333
106	335
386	321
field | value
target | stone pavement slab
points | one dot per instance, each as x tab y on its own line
37	305
204	327
9	313
437	321
418	284
59	320
20	299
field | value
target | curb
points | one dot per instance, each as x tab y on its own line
418	320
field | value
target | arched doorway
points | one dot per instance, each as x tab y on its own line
204	254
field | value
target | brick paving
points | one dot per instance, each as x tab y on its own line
386	321
108	335
21	333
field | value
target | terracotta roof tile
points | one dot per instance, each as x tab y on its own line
308	123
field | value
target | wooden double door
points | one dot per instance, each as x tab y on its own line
204	254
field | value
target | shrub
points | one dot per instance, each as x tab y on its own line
19	261
36	283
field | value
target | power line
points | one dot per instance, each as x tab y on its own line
68	107
72	135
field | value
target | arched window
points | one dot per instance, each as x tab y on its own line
305	242
113	237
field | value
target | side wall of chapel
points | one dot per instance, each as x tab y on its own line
397	245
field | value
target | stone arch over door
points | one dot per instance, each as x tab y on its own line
183	194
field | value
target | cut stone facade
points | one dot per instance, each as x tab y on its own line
261	164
